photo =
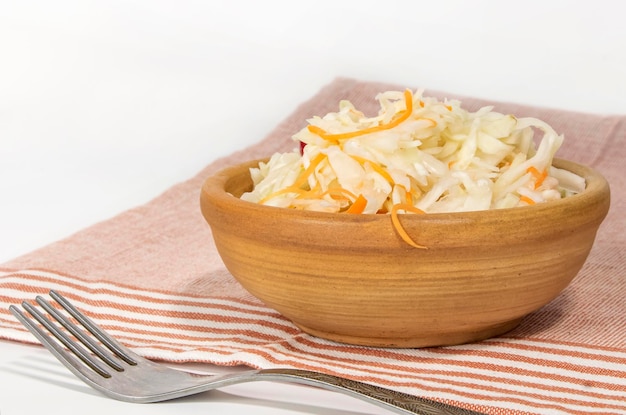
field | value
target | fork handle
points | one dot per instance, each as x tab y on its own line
398	402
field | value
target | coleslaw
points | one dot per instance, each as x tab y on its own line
417	155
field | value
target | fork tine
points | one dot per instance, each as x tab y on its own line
79	334
113	345
54	346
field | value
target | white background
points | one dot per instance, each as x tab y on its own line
103	105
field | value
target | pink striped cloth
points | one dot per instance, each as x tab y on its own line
152	277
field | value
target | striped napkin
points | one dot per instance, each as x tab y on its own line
153	278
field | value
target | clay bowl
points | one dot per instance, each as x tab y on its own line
352	279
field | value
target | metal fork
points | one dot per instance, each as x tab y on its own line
109	367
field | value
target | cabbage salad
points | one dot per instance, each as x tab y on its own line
418	155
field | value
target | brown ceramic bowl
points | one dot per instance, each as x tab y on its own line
352	279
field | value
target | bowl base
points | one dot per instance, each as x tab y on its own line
432	340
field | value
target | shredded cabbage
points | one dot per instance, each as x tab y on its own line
419	154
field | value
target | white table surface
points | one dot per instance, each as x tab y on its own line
103	105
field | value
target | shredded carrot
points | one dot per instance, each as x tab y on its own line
527	200
339	192
313	193
408	196
358	206
398	226
408	99
289	189
539	176
422	103
296	187
449	107
375	166
317	130
304	176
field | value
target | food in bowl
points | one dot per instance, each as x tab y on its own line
353	278
417	155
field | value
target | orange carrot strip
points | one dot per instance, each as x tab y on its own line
539	176
404	115
317	130
358	206
407	207
527	200
304	176
339	192
296	187
285	190
313	193
377	168
398	226
409	197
